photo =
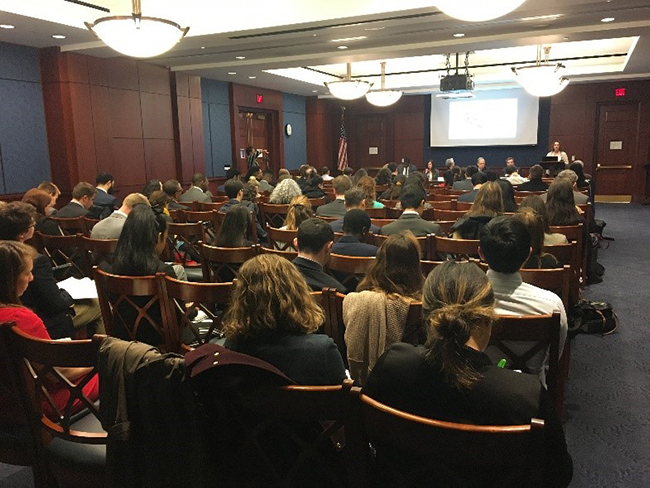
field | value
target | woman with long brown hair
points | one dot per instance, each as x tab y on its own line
273	316
487	205
538	259
44	205
375	315
536	203
367	184
450	378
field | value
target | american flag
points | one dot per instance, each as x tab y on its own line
342	161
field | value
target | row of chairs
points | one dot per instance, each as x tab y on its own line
338	409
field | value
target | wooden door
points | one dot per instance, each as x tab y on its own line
371	149
616	146
255	129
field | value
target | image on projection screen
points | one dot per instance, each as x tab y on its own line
475	119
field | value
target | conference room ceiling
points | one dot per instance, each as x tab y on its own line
294	45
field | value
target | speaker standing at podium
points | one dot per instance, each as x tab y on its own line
557	152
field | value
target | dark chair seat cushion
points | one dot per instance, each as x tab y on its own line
194	274
73	455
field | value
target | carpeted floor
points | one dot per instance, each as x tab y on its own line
607	402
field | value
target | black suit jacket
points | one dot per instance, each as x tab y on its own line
414	223
468	197
533	185
351	246
315	277
72	210
337	226
332	209
406	169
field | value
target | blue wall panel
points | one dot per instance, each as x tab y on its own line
295	147
23	138
216	126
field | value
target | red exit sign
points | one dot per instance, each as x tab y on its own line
620	92
260	98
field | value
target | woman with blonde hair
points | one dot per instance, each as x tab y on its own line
273	316
450	378
375	316
286	190
487	205
299	211
367	184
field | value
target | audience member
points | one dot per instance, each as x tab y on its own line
273	316
52	190
347	171
356	225
449	164
159	202
383	177
325	174
367	184
266	183
492	175
538	259
83	195
452	379
355	198
578	169
480	165
487	205
395	189
375	317
111	226
465	183
235	192
198	192
235	230
405	168
570	175
16	264
284	192
303	174
412	200
42	202
449	177
299	211
505	246
560	204
152	186
510	163
314	244
174	190
508	195
539	207
360	173
557	152
534	182
478	180
336	208
512	175
314	188
104	199
431	173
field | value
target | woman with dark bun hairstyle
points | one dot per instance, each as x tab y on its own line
450	378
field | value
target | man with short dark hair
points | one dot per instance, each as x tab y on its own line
510	161
198	191
83	195
314	244
325	174
174	190
265	182
466	184
478	180
355	198
356	225
405	168
505	246
412	200
341	184
513	176
104	199
534	183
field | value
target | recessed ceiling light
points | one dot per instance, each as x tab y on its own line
314	91
346	39
232	72
202	47
240	57
7	26
565	38
58	36
459	34
342	47
374	28
252	77
608	19
542	17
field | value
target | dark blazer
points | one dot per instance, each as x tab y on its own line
405	379
463	185
195	194
468	197
107	202
337	226
412	222
351	246
315	192
308	359
315	277
173	205
47	226
332	209
72	210
49	302
470	227
533	185
406	169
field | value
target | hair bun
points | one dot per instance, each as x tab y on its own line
452	324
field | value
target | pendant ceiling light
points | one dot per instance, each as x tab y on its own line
477	10
138	36
383	97
347	88
542	79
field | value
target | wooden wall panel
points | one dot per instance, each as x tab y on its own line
129	167
186	152
196	115
102	127
125	113
97	71
83	131
153	79
160	160
123	73
156	116
77	68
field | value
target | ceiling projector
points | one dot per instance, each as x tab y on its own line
456	86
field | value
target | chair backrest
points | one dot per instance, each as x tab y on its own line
464	206
274	214
449	214
556	280
137	308
444	247
88	225
209	299
189	235
379	239
446	225
443	205
381	222
63	253
427	266
281	239
220	264
219	198
193	216
379	213
208	206
70	226
442	197
317	202
538	333
95	251
290	255
448	449
349	270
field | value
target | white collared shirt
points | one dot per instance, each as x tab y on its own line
514	297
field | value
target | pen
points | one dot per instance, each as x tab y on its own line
501	363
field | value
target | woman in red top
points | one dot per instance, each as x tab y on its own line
16	263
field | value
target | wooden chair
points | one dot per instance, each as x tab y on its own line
176	215
280	239
445	226
317	202
393	213
220	264
137	308
428	214
88	224
442	197
537	333
290	255
349	270
214	205
381	222
94	251
70	226
449	214
443	450
209	298
274	214
379	213
193	216
556	280
443	205
186	240
464	206
70	445
219	198
575	233
443	247
427	266
568	254
456	193
378	240
63	253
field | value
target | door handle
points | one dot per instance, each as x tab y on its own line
622	166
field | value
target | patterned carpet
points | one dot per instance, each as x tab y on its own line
607	402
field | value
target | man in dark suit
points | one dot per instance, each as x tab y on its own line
534	182
355	198
314	244
466	184
356	225
198	191
83	195
405	168
336	208
412	200
478	180
174	190
104	202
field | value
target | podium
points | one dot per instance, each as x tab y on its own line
552	168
